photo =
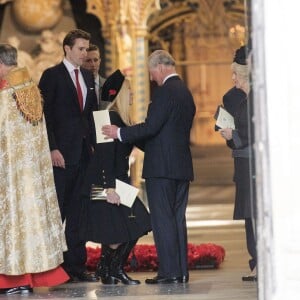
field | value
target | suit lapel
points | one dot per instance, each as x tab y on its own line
88	88
70	85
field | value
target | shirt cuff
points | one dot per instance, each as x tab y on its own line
119	134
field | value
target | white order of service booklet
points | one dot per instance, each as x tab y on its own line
126	192
101	118
225	119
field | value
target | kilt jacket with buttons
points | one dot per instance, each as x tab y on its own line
109	162
103	222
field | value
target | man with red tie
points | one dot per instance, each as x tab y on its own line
69	99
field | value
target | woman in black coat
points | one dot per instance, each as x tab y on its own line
116	226
239	141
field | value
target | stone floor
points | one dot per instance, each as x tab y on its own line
209	217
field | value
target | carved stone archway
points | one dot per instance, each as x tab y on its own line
202	35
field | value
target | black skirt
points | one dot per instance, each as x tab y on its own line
108	223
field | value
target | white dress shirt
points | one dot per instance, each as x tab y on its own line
71	69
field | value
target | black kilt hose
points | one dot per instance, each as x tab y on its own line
103	222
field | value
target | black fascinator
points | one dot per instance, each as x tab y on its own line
112	86
240	56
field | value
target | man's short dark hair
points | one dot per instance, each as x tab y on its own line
73	35
93	47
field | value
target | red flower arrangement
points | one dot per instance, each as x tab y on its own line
144	257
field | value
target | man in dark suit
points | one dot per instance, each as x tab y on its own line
69	99
92	63
168	166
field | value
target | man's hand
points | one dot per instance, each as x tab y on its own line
57	159
110	131
112	197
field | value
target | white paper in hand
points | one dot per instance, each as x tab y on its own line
101	118
126	192
225	119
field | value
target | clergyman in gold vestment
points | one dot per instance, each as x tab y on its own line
31	233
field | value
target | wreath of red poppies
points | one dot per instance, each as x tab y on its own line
144	257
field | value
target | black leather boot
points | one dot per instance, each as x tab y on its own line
102	270
118	261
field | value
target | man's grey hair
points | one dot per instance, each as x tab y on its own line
160	57
8	55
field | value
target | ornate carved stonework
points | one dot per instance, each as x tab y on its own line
201	35
110	12
35	16
49	53
122	23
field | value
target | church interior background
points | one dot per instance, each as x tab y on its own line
202	35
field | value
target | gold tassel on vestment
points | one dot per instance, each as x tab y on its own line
26	94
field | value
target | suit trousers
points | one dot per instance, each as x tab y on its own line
167	199
68	184
251	242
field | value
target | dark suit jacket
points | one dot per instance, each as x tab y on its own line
68	128
166	132
232	100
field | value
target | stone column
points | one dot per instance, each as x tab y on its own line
277	142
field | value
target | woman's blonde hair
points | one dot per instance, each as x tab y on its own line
242	71
121	103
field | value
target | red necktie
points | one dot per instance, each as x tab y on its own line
79	91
